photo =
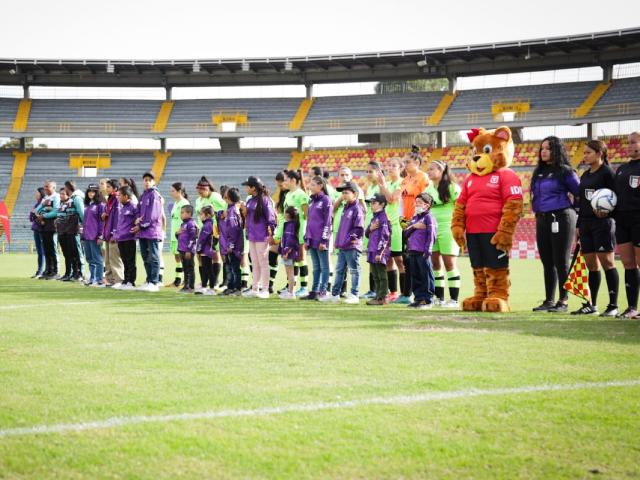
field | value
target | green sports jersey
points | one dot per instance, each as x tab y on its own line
298	198
394	210
443	212
215	200
176	220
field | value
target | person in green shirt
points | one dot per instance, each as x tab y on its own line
278	198
180	199
390	187
445	250
298	198
207	195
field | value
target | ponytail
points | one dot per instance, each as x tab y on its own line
600	147
179	187
321	181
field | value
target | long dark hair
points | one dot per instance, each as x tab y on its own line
321	181
295	218
97	198
282	193
295	175
599	146
444	187
130	182
179	187
559	160
205	181
320	172
261	192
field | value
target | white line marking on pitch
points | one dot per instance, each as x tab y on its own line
303	407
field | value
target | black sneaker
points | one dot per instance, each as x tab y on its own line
413	304
311	296
586	309
544	306
610	311
559	307
177	282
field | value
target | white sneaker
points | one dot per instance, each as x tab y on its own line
250	294
152	287
351	299
450	304
98	285
287	296
116	286
219	289
208	291
328	298
127	286
437	302
264	294
143	287
160	285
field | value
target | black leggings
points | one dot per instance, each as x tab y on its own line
127	249
71	255
555	249
51	259
188	266
206	272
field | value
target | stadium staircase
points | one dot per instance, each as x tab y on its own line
593	98
162	119
441	109
301	114
22	116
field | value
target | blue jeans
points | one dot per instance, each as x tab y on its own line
422	279
350	259
93	253
150	251
320	260
37	240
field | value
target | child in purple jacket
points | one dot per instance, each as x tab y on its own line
289	249
205	251
92	234
378	249
231	232
126	237
187	236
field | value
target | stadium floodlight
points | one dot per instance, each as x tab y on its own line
422	63
288	66
196	67
110	68
245	66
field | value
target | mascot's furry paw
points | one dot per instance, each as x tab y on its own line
472	304
495	305
502	241
458	236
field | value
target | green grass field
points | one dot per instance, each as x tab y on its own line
71	355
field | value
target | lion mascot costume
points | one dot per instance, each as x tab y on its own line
485	217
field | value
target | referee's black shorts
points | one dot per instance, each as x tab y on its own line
597	235
628	228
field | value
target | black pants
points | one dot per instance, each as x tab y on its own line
50	256
406	287
189	270
422	279
70	253
555	249
127	250
206	272
232	267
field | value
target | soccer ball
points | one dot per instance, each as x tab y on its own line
604	200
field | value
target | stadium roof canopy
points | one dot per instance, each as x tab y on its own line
591	49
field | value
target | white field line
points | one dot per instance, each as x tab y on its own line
305	407
18	306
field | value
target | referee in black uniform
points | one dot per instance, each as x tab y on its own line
596	230
627	215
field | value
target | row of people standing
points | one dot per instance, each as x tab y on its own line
561	202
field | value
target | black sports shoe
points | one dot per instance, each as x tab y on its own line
586	309
544	306
177	282
610	311
559	307
311	296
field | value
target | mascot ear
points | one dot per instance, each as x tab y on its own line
503	133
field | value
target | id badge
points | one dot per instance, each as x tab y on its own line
555	227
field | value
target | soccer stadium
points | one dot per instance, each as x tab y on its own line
134	354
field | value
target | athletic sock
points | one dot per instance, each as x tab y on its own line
179	273
216	267
404	287
392	279
594	285
613	285
631	283
372	283
438	276
273	268
203	277
303	270
453	281
244	277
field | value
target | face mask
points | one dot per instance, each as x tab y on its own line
419	210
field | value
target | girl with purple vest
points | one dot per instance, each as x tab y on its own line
289	249
92	231
126	237
114	269
378	249
231	231
187	236
205	251
318	235
261	224
420	236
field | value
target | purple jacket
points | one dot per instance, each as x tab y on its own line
204	246
150	207
230	229
187	239
127	215
289	244
379	239
351	227
111	223
92	227
421	240
319	221
550	190
258	231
